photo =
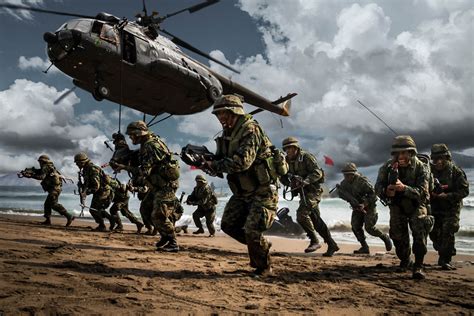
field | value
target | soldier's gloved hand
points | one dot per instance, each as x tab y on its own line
390	192
399	186
442	195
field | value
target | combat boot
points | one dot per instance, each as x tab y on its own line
332	248
47	222
185	229
388	242
364	250
313	246
118	229
172	245
263	272
199	231
100	228
404	265
149	231
162	242
69	220
154	232
139	227
418	273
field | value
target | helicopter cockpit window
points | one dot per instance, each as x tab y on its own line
83	26
109	34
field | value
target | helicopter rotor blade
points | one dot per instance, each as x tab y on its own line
144	8
188	46
64	95
21	7
191	9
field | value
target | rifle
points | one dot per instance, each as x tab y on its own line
297	185
392	180
438	187
196	156
27	173
354	203
82	193
181	197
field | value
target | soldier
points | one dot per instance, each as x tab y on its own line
305	178
51	182
160	172
242	153
357	190
96	182
206	202
446	202
403	181
120	204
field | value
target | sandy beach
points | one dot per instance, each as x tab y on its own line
54	270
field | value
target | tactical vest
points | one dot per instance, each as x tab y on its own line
356	189
103	178
52	179
298	167
447	176
260	172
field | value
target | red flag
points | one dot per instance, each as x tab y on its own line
328	161
193	168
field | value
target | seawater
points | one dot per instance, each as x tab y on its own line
24	200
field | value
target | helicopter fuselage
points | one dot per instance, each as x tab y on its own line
122	64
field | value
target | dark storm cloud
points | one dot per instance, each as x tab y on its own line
17	142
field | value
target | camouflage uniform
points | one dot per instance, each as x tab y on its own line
120	204
206	200
96	182
161	172
408	207
308	214
362	191
51	182
241	153
446	211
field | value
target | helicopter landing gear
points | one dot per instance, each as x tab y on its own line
100	92
213	93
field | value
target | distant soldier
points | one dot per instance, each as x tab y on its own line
122	152
403	182
160	172
96	182
51	182
305	178
120	204
359	193
243	152
451	187
206	202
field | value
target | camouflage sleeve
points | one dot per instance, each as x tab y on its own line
381	183
284	179
39	174
461	186
193	196
315	172
342	187
367	191
151	155
420	191
245	155
92	182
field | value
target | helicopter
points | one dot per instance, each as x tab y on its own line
131	63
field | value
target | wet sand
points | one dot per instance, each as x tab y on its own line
54	270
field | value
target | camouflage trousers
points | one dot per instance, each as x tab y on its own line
246	218
146	208
420	224
121	205
369	219
446	225
100	202
209	214
52	203
309	217
163	206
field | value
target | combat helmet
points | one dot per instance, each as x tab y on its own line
403	143
290	141
82	156
200	178
440	150
349	168
117	137
44	158
137	128
229	102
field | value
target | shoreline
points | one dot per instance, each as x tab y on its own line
58	270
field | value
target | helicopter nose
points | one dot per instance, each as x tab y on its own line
68	39
50	38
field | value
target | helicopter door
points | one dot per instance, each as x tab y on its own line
129	48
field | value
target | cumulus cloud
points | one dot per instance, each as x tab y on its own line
31	125
416	76
36	63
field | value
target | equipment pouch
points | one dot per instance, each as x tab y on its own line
170	170
279	164
262	172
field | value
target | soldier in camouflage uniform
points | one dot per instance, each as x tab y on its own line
120	204
357	190
161	173
206	201
303	164
446	203
51	182
242	153
407	198
96	182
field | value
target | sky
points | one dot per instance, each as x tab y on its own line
410	62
